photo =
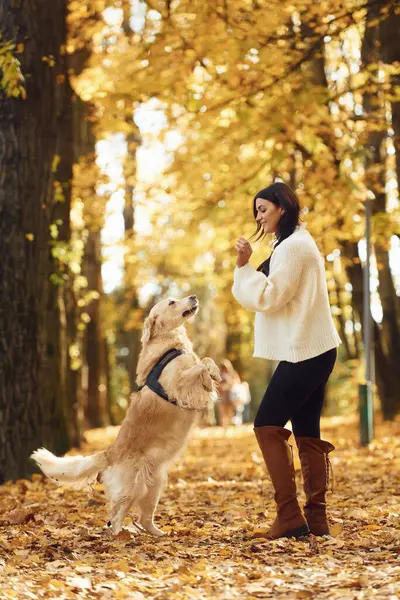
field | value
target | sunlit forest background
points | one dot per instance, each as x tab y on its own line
133	137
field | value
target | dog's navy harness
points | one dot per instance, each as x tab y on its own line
152	378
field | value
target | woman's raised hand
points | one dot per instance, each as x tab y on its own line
244	251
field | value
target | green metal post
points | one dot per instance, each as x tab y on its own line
366	411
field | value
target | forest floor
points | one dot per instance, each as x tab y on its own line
54	542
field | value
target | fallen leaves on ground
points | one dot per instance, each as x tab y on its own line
54	542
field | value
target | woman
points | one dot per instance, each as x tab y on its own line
225	407
293	325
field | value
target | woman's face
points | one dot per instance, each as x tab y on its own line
268	215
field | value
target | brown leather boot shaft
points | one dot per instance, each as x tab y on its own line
277	454
313	454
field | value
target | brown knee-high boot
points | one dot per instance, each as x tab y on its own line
277	454
314	460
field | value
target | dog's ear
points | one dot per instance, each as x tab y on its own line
149	328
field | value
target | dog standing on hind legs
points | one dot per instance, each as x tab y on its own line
174	386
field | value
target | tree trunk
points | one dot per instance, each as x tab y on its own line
390	54
31	407
388	333
96	413
133	334
94	392
65	334
349	354
390	51
352	264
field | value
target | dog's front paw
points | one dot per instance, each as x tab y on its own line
212	369
206	381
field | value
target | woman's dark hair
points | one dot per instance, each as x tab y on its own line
283	196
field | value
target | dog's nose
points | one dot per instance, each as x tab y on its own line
192	297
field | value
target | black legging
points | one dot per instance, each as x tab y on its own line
296	392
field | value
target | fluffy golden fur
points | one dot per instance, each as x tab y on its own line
134	467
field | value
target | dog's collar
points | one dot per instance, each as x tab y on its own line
152	378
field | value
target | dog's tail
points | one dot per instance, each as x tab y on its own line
74	471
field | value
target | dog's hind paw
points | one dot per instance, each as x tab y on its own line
152	529
138	527
156	532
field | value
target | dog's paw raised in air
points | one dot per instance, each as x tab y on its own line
216	377
206	381
212	369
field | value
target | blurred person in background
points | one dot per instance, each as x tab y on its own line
234	396
225	407
293	325
240	397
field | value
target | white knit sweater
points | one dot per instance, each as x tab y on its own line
293	318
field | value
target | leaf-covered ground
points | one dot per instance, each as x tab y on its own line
54	543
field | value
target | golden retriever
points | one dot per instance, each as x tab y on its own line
134	467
